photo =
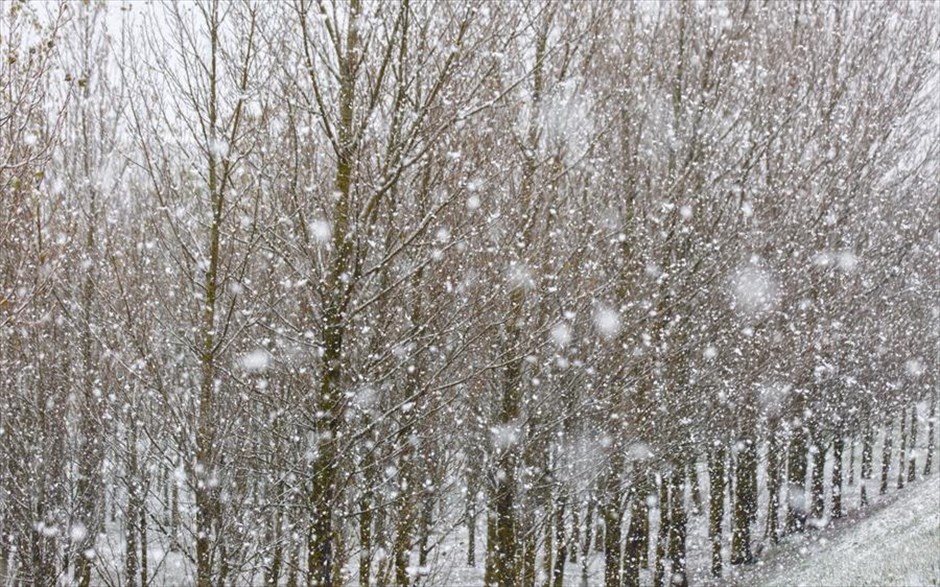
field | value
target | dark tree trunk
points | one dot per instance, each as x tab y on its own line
819	481
931	434
868	453
678	522
902	453
366	504
548	549
561	544
471	529
838	445
575	534
912	462
662	539
612	534
716	480
527	554
868	459
695	487
638	534
851	479
796	482
134	498
886	457
489	573
745	502
588	536
774	483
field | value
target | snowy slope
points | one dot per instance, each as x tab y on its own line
897	542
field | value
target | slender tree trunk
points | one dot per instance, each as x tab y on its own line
424	535
575	541
272	573
588	536
695	486
144	563
527	553
774	483
745	502
902	453
548	548
131	563
796	482
868	453
818	483
678	530
471	528
662	538
638	533
838	445
402	545
851	479
612	533
205	424
506	546
886	457
293	568
489	573
366	503
931	433
912	443
716	482
868	458
561	543
336	290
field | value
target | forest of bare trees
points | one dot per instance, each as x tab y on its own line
419	292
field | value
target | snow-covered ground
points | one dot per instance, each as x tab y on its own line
894	542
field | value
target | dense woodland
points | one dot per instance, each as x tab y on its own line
323	292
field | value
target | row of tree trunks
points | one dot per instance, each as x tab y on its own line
626	555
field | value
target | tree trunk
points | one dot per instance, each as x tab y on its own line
931	433
575	533
131	564
471	528
678	521
366	503
838	444
638	533
818	481
401	548
868	458
745	502
912	462
774	483
527	554
561	544
612	534
695	487
886	457
144	570
272	572
293	566
505	546
662	538
796	482
588	536
902	453
851	479
716	482
868	453
489	572
424	534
